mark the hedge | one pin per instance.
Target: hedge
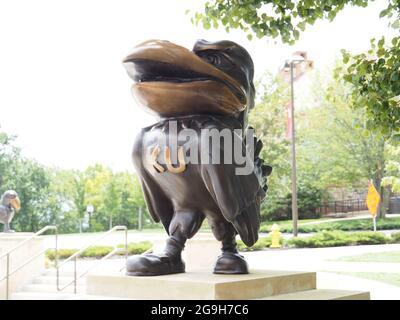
(327, 239)
(262, 243)
(347, 225)
(395, 237)
(339, 238)
(100, 251)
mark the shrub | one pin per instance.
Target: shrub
(136, 248)
(395, 237)
(280, 208)
(97, 251)
(338, 238)
(100, 251)
(62, 253)
(309, 201)
(370, 237)
(349, 225)
(262, 243)
(275, 208)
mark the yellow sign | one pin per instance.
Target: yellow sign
(373, 199)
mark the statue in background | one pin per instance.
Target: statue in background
(184, 177)
(9, 205)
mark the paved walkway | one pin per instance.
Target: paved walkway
(318, 260)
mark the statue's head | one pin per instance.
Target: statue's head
(10, 198)
(215, 77)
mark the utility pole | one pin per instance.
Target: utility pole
(295, 212)
(289, 66)
(140, 219)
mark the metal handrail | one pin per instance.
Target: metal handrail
(8, 253)
(80, 251)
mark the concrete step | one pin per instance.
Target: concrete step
(63, 280)
(57, 296)
(51, 288)
(92, 297)
(23, 295)
(63, 273)
(321, 294)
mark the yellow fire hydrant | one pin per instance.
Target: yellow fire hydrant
(275, 236)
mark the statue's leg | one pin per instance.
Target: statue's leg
(7, 225)
(7, 228)
(182, 227)
(230, 261)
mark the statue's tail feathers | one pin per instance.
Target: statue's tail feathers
(247, 223)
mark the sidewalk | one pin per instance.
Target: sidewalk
(318, 260)
(315, 260)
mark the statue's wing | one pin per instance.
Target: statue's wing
(159, 206)
(238, 197)
(3, 214)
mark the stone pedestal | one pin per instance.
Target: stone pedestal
(17, 258)
(201, 285)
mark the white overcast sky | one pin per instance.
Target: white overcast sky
(65, 94)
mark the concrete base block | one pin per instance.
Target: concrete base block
(201, 285)
(17, 258)
(322, 294)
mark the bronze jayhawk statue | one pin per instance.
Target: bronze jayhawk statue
(9, 205)
(208, 88)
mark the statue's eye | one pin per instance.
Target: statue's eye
(213, 58)
(218, 60)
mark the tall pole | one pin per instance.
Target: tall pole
(295, 214)
(140, 219)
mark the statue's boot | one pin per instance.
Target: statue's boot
(182, 227)
(169, 262)
(230, 261)
(7, 228)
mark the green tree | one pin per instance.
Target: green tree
(269, 121)
(335, 145)
(374, 75)
(271, 18)
(392, 178)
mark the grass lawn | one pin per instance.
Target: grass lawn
(99, 233)
(389, 278)
(287, 224)
(346, 225)
(389, 256)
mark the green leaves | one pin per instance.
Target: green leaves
(285, 19)
(384, 13)
(375, 83)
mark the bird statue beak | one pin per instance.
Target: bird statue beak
(16, 203)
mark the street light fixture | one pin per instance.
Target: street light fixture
(289, 66)
(89, 211)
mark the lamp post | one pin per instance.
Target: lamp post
(289, 65)
(89, 211)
